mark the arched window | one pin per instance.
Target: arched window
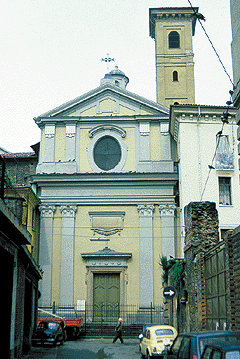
(175, 76)
(174, 40)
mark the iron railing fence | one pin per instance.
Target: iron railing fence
(8, 192)
(131, 314)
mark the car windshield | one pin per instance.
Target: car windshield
(235, 354)
(52, 325)
(164, 332)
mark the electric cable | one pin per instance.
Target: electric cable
(201, 17)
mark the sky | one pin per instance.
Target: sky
(51, 50)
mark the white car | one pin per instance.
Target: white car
(156, 339)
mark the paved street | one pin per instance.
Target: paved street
(88, 349)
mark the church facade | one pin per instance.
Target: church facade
(107, 184)
(107, 179)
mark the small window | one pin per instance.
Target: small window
(207, 353)
(175, 76)
(225, 191)
(184, 350)
(216, 354)
(164, 332)
(174, 40)
(176, 345)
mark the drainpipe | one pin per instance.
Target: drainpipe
(199, 152)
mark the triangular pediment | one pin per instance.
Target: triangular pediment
(107, 100)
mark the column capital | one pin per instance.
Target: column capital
(145, 210)
(167, 209)
(68, 210)
(47, 210)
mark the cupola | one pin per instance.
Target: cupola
(116, 77)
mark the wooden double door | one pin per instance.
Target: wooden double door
(106, 296)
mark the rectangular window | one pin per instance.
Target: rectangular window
(225, 191)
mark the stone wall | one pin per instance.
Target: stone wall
(201, 243)
(236, 277)
(201, 234)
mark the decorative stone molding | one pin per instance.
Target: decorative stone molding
(114, 222)
(106, 258)
(145, 210)
(144, 129)
(167, 209)
(68, 210)
(164, 129)
(70, 131)
(47, 210)
(103, 128)
(98, 133)
(49, 131)
(106, 263)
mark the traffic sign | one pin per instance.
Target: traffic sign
(169, 292)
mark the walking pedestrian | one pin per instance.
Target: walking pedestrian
(118, 331)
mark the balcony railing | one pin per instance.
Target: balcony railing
(8, 192)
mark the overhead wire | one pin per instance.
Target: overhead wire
(200, 17)
(213, 47)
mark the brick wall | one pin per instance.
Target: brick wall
(201, 234)
(201, 243)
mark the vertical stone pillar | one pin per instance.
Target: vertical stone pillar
(146, 254)
(70, 142)
(144, 138)
(67, 254)
(49, 143)
(165, 142)
(45, 252)
(167, 229)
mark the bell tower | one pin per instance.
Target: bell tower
(172, 29)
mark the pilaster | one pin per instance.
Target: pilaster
(144, 141)
(45, 252)
(146, 254)
(67, 254)
(70, 142)
(168, 229)
(49, 143)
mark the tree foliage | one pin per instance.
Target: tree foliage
(173, 271)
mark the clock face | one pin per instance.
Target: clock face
(107, 153)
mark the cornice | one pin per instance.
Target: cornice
(174, 13)
(198, 114)
(106, 253)
(102, 177)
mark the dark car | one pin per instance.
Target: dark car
(191, 345)
(48, 332)
(221, 351)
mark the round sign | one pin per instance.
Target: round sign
(169, 292)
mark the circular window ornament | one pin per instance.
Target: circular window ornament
(107, 153)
